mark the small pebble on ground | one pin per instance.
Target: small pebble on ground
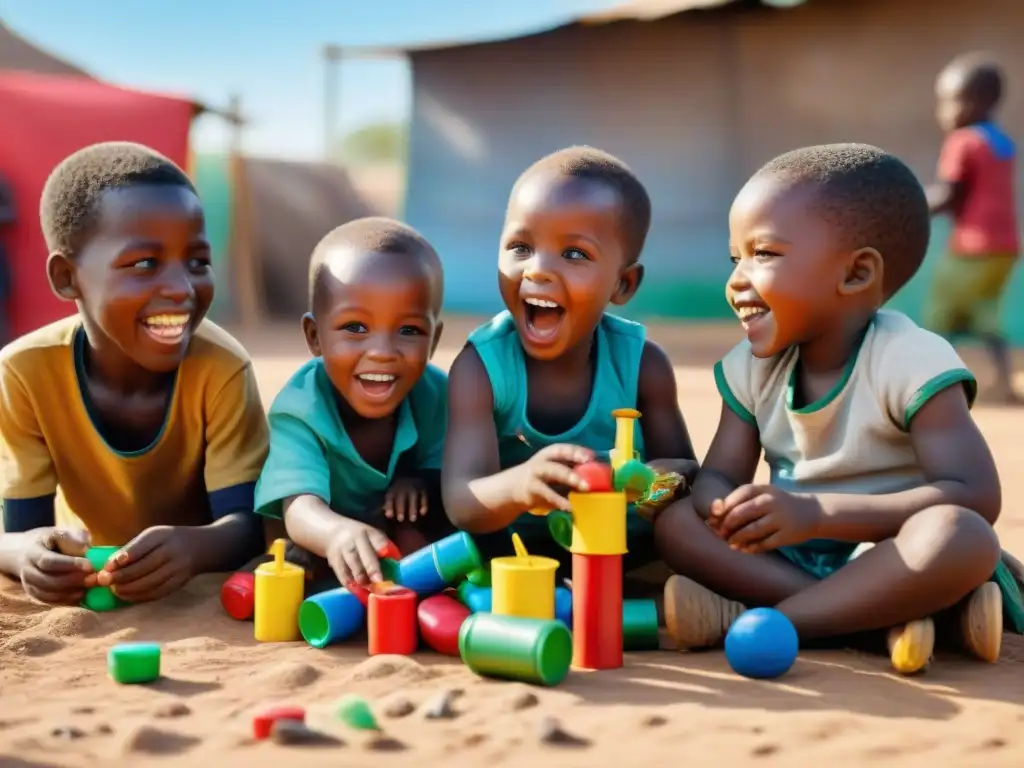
(552, 732)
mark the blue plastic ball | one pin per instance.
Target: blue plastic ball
(762, 644)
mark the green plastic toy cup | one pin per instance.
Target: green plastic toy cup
(535, 651)
(101, 598)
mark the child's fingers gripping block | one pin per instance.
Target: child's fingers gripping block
(134, 662)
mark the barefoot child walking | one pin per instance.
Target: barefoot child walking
(975, 187)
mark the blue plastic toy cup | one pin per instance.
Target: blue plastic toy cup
(330, 617)
(477, 599)
(456, 556)
(419, 573)
(563, 606)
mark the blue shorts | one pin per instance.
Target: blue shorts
(819, 557)
(823, 557)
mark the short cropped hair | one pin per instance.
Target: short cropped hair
(377, 234)
(583, 162)
(871, 197)
(72, 193)
(980, 77)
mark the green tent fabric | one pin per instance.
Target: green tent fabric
(211, 174)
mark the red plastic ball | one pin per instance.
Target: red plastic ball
(597, 476)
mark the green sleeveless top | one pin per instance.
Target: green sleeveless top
(619, 347)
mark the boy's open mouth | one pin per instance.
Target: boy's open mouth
(167, 328)
(543, 319)
(751, 314)
(377, 385)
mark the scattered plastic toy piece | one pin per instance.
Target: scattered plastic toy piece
(440, 618)
(391, 622)
(560, 527)
(238, 595)
(761, 644)
(101, 598)
(354, 712)
(480, 577)
(263, 722)
(279, 588)
(634, 478)
(130, 663)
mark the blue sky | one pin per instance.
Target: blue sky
(268, 51)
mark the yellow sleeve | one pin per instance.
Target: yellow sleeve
(236, 433)
(26, 466)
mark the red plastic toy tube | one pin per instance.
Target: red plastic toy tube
(440, 619)
(391, 622)
(597, 611)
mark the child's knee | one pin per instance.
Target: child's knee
(951, 537)
(673, 528)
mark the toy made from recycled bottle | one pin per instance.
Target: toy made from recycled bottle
(279, 588)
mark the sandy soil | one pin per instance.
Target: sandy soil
(58, 707)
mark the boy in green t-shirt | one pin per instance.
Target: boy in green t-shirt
(356, 435)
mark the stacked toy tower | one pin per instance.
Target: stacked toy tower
(598, 544)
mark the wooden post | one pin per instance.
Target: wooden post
(246, 275)
(332, 56)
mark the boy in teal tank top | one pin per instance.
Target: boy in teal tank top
(357, 434)
(532, 392)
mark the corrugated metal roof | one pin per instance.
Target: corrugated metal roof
(630, 10)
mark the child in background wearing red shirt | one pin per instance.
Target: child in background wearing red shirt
(975, 186)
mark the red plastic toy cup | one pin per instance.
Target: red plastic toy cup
(238, 595)
(391, 622)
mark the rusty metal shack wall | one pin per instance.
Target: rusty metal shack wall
(695, 103)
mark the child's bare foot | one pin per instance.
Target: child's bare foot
(696, 617)
(911, 645)
(981, 622)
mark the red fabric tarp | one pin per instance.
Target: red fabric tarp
(46, 118)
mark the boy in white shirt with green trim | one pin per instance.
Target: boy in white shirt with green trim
(883, 492)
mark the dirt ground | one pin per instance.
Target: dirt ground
(57, 706)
